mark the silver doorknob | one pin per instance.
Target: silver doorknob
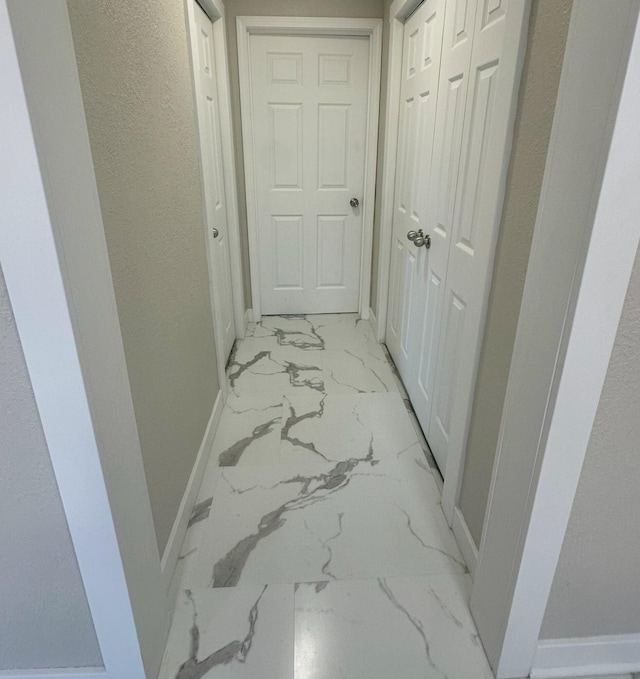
(412, 235)
(216, 233)
(423, 239)
(354, 202)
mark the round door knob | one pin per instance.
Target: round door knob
(422, 239)
(412, 235)
(216, 233)
(354, 202)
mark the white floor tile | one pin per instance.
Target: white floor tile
(324, 480)
(249, 431)
(262, 366)
(340, 426)
(403, 628)
(239, 633)
(349, 371)
(353, 519)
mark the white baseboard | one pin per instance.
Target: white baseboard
(71, 673)
(588, 656)
(374, 322)
(465, 541)
(176, 538)
(248, 318)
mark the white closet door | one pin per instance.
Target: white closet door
(452, 160)
(486, 144)
(410, 264)
(309, 99)
(209, 123)
(459, 23)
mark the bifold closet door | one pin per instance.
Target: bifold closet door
(449, 184)
(419, 92)
(476, 217)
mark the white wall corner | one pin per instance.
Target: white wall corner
(248, 318)
(465, 541)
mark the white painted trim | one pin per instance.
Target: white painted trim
(55, 262)
(248, 318)
(373, 321)
(465, 541)
(69, 673)
(179, 529)
(590, 656)
(563, 346)
(371, 28)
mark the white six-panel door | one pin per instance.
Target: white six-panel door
(486, 142)
(437, 296)
(214, 190)
(410, 269)
(309, 99)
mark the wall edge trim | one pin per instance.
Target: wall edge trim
(178, 531)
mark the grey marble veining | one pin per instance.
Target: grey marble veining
(313, 488)
(240, 633)
(234, 651)
(317, 547)
(200, 511)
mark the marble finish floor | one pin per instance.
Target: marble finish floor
(318, 548)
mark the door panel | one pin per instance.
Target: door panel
(475, 224)
(214, 193)
(309, 117)
(411, 267)
(453, 137)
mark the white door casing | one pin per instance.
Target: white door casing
(309, 101)
(437, 348)
(328, 29)
(214, 185)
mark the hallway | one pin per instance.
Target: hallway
(317, 548)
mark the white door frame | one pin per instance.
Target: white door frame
(371, 28)
(214, 9)
(55, 261)
(563, 346)
(516, 43)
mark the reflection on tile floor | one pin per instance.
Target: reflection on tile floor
(317, 548)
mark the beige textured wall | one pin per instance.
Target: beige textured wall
(595, 590)
(45, 621)
(314, 8)
(136, 85)
(545, 51)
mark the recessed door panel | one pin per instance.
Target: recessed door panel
(289, 243)
(332, 236)
(333, 146)
(286, 145)
(474, 169)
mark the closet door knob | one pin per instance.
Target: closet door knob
(412, 235)
(215, 233)
(354, 202)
